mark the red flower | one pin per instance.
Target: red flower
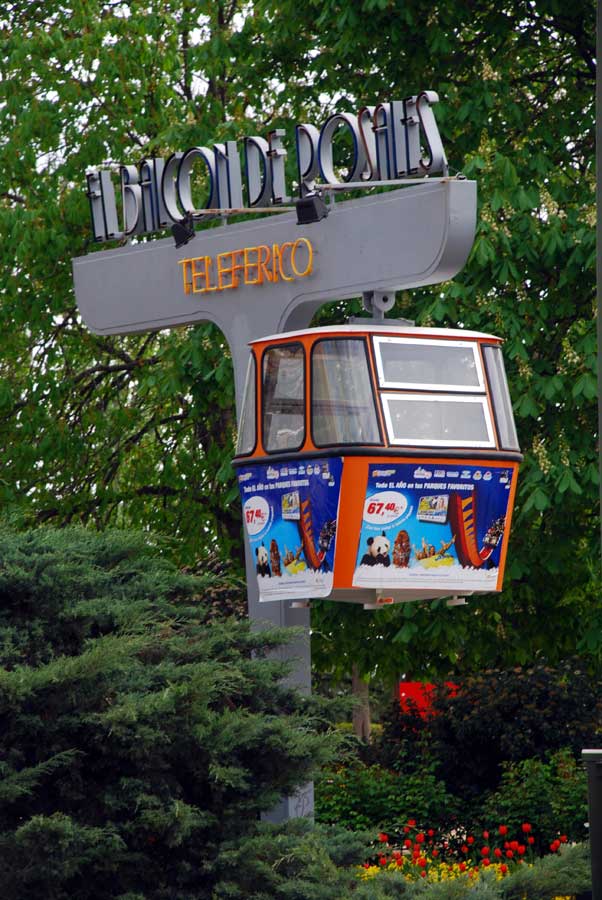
(407, 843)
(470, 840)
(526, 827)
(462, 866)
(412, 823)
(416, 852)
(485, 851)
(555, 845)
(530, 839)
(399, 861)
(405, 829)
(486, 862)
(382, 861)
(423, 874)
(521, 849)
(506, 845)
(420, 838)
(486, 835)
(464, 848)
(396, 854)
(383, 838)
(503, 868)
(509, 854)
(503, 829)
(514, 845)
(366, 865)
(563, 839)
(422, 862)
(435, 852)
(430, 832)
(497, 853)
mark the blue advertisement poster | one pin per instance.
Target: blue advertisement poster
(290, 513)
(433, 526)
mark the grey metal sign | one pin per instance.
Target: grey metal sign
(406, 238)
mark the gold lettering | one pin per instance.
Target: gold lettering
(263, 262)
(201, 275)
(186, 266)
(283, 247)
(310, 258)
(247, 264)
(231, 270)
(252, 265)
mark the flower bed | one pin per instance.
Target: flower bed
(423, 853)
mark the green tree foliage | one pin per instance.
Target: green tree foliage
(139, 429)
(138, 742)
(504, 745)
(516, 86)
(498, 716)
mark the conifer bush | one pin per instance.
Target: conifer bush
(138, 740)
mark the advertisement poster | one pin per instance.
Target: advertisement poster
(290, 513)
(433, 526)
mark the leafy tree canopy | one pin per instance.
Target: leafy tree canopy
(139, 429)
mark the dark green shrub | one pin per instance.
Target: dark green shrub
(137, 741)
(550, 793)
(372, 797)
(498, 717)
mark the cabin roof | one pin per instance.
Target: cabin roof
(386, 330)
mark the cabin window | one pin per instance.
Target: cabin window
(500, 396)
(283, 375)
(438, 420)
(428, 364)
(343, 408)
(247, 431)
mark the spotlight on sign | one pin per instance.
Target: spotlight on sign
(183, 231)
(310, 209)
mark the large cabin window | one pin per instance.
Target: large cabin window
(428, 364)
(436, 394)
(343, 407)
(247, 432)
(444, 420)
(283, 376)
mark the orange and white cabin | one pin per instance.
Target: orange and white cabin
(377, 463)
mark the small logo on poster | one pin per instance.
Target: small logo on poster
(433, 508)
(291, 508)
(422, 474)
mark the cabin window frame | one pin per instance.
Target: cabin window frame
(501, 401)
(270, 349)
(356, 339)
(480, 388)
(412, 397)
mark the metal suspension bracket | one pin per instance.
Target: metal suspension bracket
(378, 302)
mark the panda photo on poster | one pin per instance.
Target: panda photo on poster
(290, 512)
(431, 526)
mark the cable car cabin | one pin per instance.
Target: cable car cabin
(377, 463)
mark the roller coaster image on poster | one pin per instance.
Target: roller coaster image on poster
(437, 525)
